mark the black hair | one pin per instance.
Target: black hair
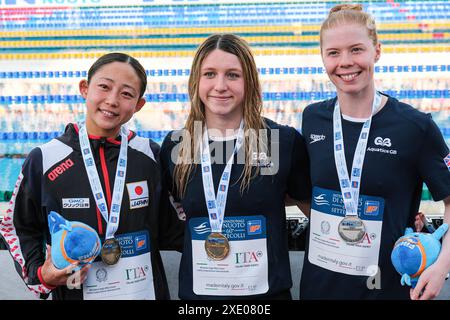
(120, 57)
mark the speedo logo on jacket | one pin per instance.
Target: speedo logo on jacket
(60, 169)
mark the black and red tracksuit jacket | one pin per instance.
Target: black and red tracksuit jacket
(55, 171)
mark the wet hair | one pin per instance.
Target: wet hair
(350, 13)
(120, 57)
(251, 105)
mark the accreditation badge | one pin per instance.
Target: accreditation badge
(130, 278)
(231, 263)
(336, 246)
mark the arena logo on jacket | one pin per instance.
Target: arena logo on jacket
(138, 194)
(60, 169)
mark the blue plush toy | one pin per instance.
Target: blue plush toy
(416, 251)
(72, 242)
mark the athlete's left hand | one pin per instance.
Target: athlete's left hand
(430, 283)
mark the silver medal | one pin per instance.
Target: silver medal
(352, 229)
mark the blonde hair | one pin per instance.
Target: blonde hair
(350, 13)
(189, 150)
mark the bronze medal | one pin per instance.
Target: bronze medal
(111, 251)
(217, 246)
(352, 229)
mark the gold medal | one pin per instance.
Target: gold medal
(217, 246)
(352, 229)
(111, 251)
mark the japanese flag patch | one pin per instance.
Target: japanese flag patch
(447, 161)
(138, 193)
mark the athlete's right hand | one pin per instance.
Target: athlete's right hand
(66, 277)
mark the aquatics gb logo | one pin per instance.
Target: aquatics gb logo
(380, 143)
(386, 142)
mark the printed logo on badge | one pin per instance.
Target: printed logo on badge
(371, 208)
(320, 200)
(138, 194)
(101, 275)
(140, 242)
(254, 227)
(75, 203)
(202, 228)
(325, 227)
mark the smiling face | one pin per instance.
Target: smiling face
(349, 55)
(112, 97)
(221, 86)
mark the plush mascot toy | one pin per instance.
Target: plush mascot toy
(416, 251)
(72, 242)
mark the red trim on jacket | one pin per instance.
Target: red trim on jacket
(110, 140)
(105, 176)
(99, 221)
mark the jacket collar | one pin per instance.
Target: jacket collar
(115, 141)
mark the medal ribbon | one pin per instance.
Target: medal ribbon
(216, 206)
(350, 187)
(94, 180)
